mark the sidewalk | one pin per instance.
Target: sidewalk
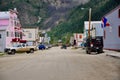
(1, 54)
(112, 53)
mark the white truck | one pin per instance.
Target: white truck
(20, 48)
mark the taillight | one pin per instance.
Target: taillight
(91, 44)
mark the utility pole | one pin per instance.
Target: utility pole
(89, 23)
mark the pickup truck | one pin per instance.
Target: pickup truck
(94, 45)
(20, 48)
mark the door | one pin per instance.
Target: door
(22, 48)
(2, 40)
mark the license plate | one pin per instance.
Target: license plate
(9, 51)
(97, 47)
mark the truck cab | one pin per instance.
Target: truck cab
(20, 48)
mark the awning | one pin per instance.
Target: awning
(15, 39)
(18, 40)
(22, 41)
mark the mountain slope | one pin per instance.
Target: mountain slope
(42, 13)
(75, 21)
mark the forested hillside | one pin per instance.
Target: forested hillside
(63, 17)
(77, 16)
(42, 13)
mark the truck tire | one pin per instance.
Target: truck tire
(98, 52)
(13, 51)
(31, 50)
(7, 52)
(88, 52)
(27, 52)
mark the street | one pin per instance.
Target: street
(59, 64)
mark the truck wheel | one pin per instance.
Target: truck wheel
(88, 52)
(27, 52)
(98, 52)
(31, 50)
(12, 51)
(7, 52)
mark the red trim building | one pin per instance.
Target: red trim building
(78, 37)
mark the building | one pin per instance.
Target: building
(112, 33)
(95, 29)
(31, 35)
(44, 38)
(10, 29)
(78, 37)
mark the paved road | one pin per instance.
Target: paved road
(59, 64)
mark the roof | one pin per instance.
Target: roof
(86, 24)
(4, 15)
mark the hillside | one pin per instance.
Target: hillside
(77, 16)
(42, 13)
(63, 17)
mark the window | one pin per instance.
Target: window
(15, 23)
(104, 34)
(7, 34)
(20, 35)
(119, 13)
(16, 34)
(119, 31)
(0, 36)
(80, 36)
(30, 35)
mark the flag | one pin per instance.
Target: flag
(105, 22)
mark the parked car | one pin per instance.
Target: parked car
(20, 48)
(47, 46)
(63, 46)
(41, 47)
(94, 45)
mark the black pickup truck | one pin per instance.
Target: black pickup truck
(94, 45)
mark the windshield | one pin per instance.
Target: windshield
(16, 45)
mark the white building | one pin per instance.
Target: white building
(95, 28)
(79, 38)
(31, 35)
(112, 33)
